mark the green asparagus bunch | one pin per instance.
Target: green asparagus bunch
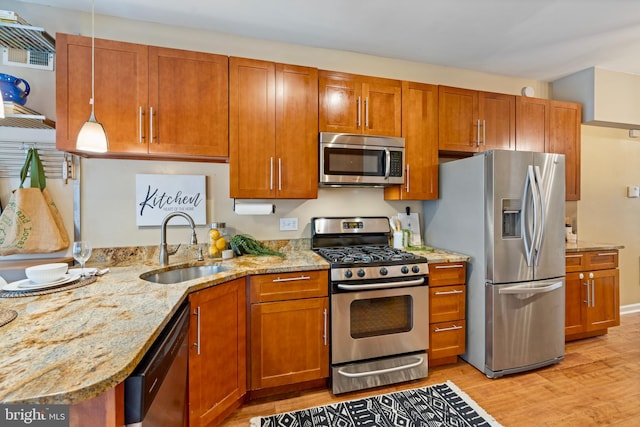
(245, 244)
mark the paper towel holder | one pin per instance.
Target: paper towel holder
(271, 208)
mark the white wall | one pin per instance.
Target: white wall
(611, 162)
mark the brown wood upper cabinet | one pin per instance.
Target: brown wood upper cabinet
(273, 130)
(549, 126)
(532, 124)
(153, 102)
(352, 103)
(473, 121)
(420, 130)
(564, 137)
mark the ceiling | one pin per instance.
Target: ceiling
(535, 39)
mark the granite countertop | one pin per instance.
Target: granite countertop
(582, 246)
(437, 256)
(70, 346)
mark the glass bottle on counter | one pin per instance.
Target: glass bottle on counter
(218, 240)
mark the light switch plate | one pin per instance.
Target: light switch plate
(633, 191)
(288, 224)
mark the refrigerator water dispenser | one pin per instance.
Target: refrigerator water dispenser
(511, 213)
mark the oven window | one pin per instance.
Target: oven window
(381, 316)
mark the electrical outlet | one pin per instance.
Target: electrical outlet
(288, 224)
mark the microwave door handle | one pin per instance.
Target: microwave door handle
(387, 159)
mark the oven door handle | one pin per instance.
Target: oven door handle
(385, 285)
(381, 371)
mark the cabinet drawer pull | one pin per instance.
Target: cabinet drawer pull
(451, 328)
(455, 291)
(449, 266)
(606, 253)
(291, 279)
(358, 118)
(573, 256)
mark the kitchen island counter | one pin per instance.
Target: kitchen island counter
(71, 346)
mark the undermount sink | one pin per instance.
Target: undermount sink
(182, 274)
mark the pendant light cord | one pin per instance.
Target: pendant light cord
(93, 54)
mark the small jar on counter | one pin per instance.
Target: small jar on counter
(218, 240)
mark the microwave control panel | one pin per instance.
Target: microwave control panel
(396, 163)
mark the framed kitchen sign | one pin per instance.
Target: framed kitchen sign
(159, 195)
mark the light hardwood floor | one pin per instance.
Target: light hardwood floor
(597, 384)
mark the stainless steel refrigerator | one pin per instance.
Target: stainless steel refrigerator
(506, 209)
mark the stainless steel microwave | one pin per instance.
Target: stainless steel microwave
(361, 160)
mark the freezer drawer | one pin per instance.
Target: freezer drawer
(524, 325)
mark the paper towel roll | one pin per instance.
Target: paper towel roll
(254, 208)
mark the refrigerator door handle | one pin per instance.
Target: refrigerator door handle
(541, 228)
(528, 236)
(527, 289)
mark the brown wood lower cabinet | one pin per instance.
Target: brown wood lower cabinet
(289, 330)
(217, 352)
(592, 303)
(447, 302)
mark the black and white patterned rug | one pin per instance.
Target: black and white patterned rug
(437, 405)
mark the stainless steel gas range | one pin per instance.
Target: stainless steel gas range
(379, 304)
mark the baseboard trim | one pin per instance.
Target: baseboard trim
(631, 308)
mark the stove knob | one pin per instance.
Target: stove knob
(404, 269)
(383, 271)
(415, 269)
(361, 273)
(348, 274)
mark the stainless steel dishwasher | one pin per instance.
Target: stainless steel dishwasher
(155, 393)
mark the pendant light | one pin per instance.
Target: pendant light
(92, 136)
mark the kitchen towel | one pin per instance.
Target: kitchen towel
(254, 208)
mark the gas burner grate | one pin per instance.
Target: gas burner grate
(364, 254)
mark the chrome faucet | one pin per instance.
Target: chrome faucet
(164, 251)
